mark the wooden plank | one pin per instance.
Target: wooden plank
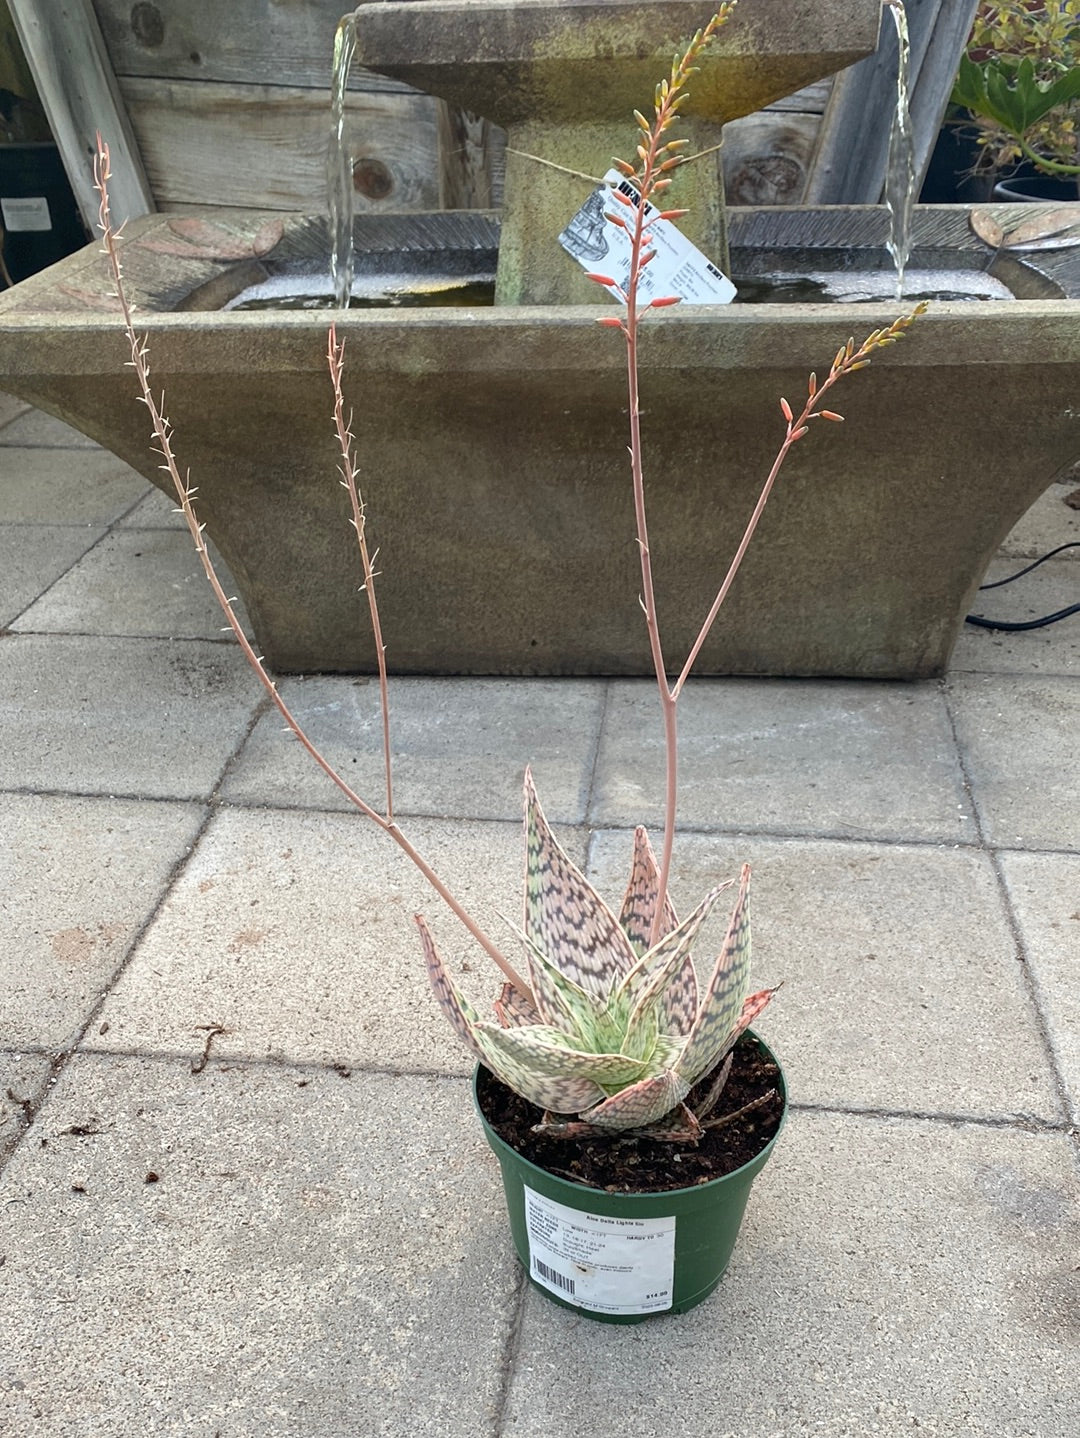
(849, 167)
(64, 48)
(810, 100)
(471, 160)
(264, 147)
(233, 43)
(767, 157)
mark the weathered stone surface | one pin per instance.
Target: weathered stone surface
(23, 1078)
(85, 487)
(492, 448)
(289, 929)
(891, 1277)
(1017, 736)
(1044, 890)
(80, 877)
(460, 746)
(853, 760)
(35, 555)
(512, 62)
(139, 716)
(275, 1251)
(138, 582)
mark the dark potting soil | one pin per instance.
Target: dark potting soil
(619, 1163)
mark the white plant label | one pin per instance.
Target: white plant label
(26, 214)
(607, 1265)
(678, 269)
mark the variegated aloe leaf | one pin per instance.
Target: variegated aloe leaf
(546, 1051)
(560, 1002)
(560, 1090)
(639, 901)
(463, 1017)
(564, 915)
(513, 1009)
(656, 970)
(723, 998)
(643, 1102)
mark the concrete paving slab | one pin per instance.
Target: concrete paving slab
(460, 746)
(1044, 890)
(891, 1277)
(1054, 649)
(34, 556)
(41, 430)
(48, 486)
(80, 877)
(854, 760)
(1048, 523)
(10, 408)
(259, 1251)
(902, 988)
(294, 932)
(138, 581)
(120, 716)
(23, 1078)
(1017, 736)
(156, 511)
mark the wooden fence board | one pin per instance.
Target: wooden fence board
(64, 48)
(265, 147)
(259, 42)
(849, 167)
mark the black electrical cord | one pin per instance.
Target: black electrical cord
(1030, 623)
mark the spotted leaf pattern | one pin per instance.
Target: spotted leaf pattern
(564, 915)
(614, 1034)
(722, 1001)
(512, 1008)
(639, 901)
(644, 1102)
(463, 1017)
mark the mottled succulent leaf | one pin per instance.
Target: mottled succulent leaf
(723, 998)
(561, 1002)
(666, 965)
(546, 1052)
(716, 1087)
(463, 1017)
(513, 1009)
(641, 1103)
(752, 1006)
(678, 1126)
(564, 915)
(639, 901)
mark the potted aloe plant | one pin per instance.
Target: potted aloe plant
(627, 1101)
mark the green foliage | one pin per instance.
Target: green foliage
(1020, 79)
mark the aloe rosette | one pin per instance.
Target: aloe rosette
(615, 1030)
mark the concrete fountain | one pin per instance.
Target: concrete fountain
(492, 440)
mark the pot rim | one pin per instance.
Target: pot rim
(744, 1172)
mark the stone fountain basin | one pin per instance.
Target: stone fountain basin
(492, 450)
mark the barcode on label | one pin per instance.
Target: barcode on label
(552, 1275)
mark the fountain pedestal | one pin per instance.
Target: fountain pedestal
(563, 77)
(491, 443)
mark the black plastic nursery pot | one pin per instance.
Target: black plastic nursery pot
(624, 1257)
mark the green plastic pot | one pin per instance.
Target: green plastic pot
(624, 1257)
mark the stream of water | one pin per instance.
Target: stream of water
(339, 180)
(900, 172)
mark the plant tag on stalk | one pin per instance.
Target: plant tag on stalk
(678, 269)
(607, 1265)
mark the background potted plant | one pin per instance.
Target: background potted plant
(610, 1050)
(1019, 79)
